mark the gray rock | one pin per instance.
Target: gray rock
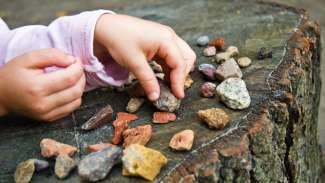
(203, 40)
(40, 164)
(63, 166)
(209, 51)
(166, 101)
(134, 104)
(223, 56)
(228, 69)
(96, 166)
(234, 94)
(208, 71)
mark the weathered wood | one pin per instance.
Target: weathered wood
(275, 140)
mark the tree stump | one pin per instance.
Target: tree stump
(275, 140)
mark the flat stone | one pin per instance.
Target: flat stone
(24, 171)
(208, 71)
(244, 62)
(188, 82)
(208, 89)
(218, 43)
(228, 69)
(138, 135)
(222, 57)
(234, 94)
(214, 117)
(233, 51)
(51, 148)
(209, 51)
(98, 147)
(202, 40)
(40, 164)
(102, 117)
(163, 117)
(95, 166)
(142, 161)
(63, 166)
(182, 140)
(134, 104)
(121, 124)
(166, 101)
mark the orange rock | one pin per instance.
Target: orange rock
(127, 117)
(121, 124)
(163, 117)
(214, 117)
(98, 147)
(51, 148)
(219, 43)
(138, 135)
(182, 140)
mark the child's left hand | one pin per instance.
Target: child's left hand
(132, 42)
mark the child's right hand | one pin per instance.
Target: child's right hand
(26, 89)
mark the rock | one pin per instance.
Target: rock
(218, 43)
(163, 117)
(102, 117)
(138, 135)
(141, 161)
(188, 82)
(166, 101)
(51, 148)
(203, 41)
(98, 147)
(134, 104)
(63, 166)
(214, 117)
(208, 89)
(263, 54)
(40, 164)
(234, 94)
(95, 166)
(208, 71)
(233, 51)
(221, 57)
(209, 51)
(228, 69)
(136, 90)
(131, 79)
(244, 62)
(182, 141)
(24, 171)
(160, 76)
(121, 124)
(155, 66)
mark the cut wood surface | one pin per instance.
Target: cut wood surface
(275, 140)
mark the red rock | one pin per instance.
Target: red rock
(208, 89)
(182, 140)
(163, 117)
(138, 135)
(98, 147)
(121, 124)
(127, 117)
(219, 43)
(51, 148)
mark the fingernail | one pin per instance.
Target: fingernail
(153, 96)
(71, 59)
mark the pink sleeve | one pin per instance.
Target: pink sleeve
(71, 34)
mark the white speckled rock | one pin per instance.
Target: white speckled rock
(244, 62)
(203, 40)
(228, 69)
(232, 50)
(209, 51)
(223, 56)
(234, 94)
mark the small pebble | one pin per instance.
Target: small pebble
(166, 101)
(244, 62)
(51, 148)
(155, 66)
(208, 71)
(163, 117)
(228, 69)
(63, 166)
(98, 147)
(214, 117)
(24, 171)
(138, 135)
(134, 104)
(208, 89)
(234, 94)
(182, 141)
(221, 57)
(209, 51)
(233, 51)
(202, 41)
(263, 54)
(95, 166)
(218, 43)
(188, 82)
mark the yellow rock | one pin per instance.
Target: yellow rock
(142, 161)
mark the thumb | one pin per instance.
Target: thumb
(143, 72)
(48, 57)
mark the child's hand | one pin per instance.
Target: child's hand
(26, 89)
(132, 42)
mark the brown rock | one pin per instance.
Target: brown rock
(214, 117)
(188, 82)
(218, 43)
(166, 101)
(208, 89)
(98, 147)
(134, 104)
(138, 135)
(51, 148)
(182, 140)
(105, 115)
(163, 117)
(24, 171)
(121, 124)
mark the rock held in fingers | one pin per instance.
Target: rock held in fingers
(166, 101)
(134, 104)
